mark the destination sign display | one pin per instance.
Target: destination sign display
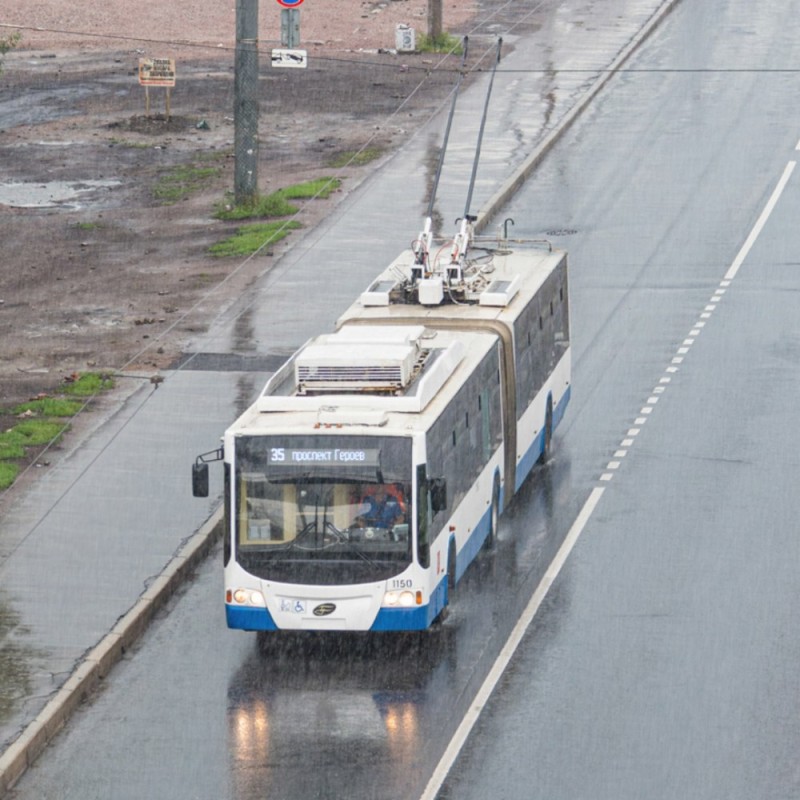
(305, 457)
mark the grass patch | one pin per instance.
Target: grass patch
(88, 384)
(10, 446)
(182, 181)
(47, 425)
(272, 205)
(321, 188)
(355, 158)
(36, 432)
(277, 204)
(250, 238)
(8, 474)
(50, 407)
(443, 43)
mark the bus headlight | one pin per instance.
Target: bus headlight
(247, 597)
(403, 599)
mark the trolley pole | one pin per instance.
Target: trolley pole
(434, 19)
(245, 112)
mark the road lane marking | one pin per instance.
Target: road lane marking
(509, 648)
(760, 222)
(711, 305)
(523, 623)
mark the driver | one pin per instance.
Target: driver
(380, 510)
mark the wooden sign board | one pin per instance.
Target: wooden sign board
(157, 72)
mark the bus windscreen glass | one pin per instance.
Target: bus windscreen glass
(323, 509)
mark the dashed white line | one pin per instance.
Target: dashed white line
(711, 305)
(498, 668)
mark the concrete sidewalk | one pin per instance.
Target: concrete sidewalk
(97, 545)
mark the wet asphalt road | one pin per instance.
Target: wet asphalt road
(663, 662)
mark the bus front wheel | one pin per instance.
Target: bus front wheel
(451, 569)
(547, 445)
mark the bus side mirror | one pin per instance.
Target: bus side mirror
(200, 471)
(438, 495)
(200, 479)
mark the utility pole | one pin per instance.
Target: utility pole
(434, 19)
(245, 103)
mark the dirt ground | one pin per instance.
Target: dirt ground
(99, 273)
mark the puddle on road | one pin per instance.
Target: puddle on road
(53, 194)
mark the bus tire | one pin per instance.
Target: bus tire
(451, 569)
(547, 445)
(494, 516)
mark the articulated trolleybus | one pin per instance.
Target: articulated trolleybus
(375, 463)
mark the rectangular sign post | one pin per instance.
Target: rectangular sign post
(290, 58)
(156, 72)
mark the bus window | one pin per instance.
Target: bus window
(423, 517)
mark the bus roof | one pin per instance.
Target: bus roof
(392, 366)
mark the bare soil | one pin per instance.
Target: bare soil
(100, 274)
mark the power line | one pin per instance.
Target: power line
(265, 44)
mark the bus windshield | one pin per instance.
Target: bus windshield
(323, 509)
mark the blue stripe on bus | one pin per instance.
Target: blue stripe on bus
(417, 618)
(558, 411)
(473, 545)
(389, 619)
(528, 461)
(249, 619)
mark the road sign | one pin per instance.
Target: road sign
(157, 71)
(290, 3)
(290, 58)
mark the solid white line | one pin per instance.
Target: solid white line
(760, 222)
(499, 666)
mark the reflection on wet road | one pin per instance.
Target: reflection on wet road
(309, 714)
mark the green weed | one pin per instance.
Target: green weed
(277, 204)
(50, 407)
(443, 43)
(36, 432)
(10, 446)
(250, 238)
(355, 158)
(88, 384)
(182, 181)
(8, 474)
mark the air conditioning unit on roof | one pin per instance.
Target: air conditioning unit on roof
(359, 358)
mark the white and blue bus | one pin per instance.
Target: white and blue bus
(375, 464)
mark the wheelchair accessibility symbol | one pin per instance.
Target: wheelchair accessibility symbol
(293, 606)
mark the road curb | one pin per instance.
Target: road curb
(98, 662)
(512, 185)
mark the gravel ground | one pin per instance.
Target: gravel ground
(329, 24)
(113, 279)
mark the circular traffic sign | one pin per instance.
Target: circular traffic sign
(290, 3)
